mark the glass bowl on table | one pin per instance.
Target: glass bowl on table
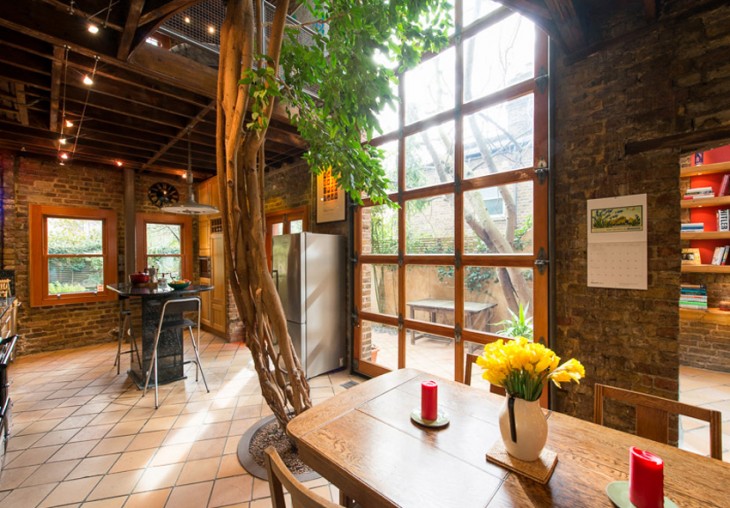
(179, 284)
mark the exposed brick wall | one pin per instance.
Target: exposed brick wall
(36, 180)
(668, 80)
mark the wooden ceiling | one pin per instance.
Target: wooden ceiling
(146, 98)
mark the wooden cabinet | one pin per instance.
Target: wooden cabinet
(214, 310)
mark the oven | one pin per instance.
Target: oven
(7, 349)
(205, 268)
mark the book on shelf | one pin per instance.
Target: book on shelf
(724, 184)
(723, 220)
(699, 190)
(692, 226)
(725, 254)
(698, 196)
(717, 255)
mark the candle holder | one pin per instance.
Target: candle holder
(618, 493)
(442, 420)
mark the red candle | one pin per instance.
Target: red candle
(646, 479)
(429, 400)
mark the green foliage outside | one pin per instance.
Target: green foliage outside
(342, 65)
(518, 325)
(82, 241)
(57, 287)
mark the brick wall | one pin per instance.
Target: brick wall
(36, 180)
(670, 79)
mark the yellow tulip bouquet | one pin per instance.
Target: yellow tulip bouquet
(521, 367)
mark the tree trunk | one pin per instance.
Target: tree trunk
(240, 176)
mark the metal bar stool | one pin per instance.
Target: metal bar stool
(173, 310)
(125, 328)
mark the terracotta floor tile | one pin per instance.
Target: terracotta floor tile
(72, 491)
(151, 499)
(230, 466)
(158, 477)
(158, 424)
(74, 450)
(203, 449)
(51, 472)
(190, 496)
(171, 454)
(114, 502)
(129, 461)
(35, 427)
(111, 445)
(226, 491)
(11, 478)
(147, 440)
(93, 466)
(56, 437)
(24, 442)
(116, 484)
(28, 497)
(33, 456)
(94, 432)
(199, 470)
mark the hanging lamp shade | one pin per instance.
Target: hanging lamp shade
(190, 206)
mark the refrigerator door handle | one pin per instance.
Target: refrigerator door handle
(275, 275)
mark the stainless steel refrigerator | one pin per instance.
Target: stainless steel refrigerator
(309, 272)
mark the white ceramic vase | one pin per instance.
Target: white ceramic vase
(525, 434)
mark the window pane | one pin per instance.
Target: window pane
(430, 225)
(430, 353)
(499, 219)
(163, 238)
(493, 296)
(430, 157)
(165, 264)
(74, 236)
(499, 138)
(430, 87)
(380, 289)
(295, 226)
(500, 56)
(476, 9)
(430, 293)
(277, 229)
(379, 230)
(379, 344)
(390, 164)
(75, 274)
(388, 117)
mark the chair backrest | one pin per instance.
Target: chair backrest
(652, 414)
(178, 305)
(470, 360)
(279, 476)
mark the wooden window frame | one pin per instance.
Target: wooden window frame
(458, 188)
(186, 242)
(39, 295)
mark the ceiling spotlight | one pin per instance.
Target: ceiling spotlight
(211, 29)
(63, 155)
(187, 19)
(62, 140)
(93, 29)
(87, 80)
(119, 163)
(69, 123)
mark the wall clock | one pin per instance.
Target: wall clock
(162, 194)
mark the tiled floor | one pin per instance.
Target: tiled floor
(83, 436)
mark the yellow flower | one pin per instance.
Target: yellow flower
(522, 367)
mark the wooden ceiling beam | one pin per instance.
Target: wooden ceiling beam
(566, 20)
(21, 104)
(130, 28)
(180, 134)
(54, 121)
(85, 15)
(165, 10)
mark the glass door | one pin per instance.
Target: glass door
(456, 265)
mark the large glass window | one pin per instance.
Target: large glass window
(73, 254)
(452, 266)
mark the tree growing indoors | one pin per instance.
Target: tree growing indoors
(333, 88)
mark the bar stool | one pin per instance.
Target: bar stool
(125, 328)
(171, 318)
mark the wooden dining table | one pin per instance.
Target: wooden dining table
(364, 442)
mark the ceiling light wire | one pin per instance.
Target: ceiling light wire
(86, 103)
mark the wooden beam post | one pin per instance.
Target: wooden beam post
(56, 75)
(130, 28)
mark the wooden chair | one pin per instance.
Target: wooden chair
(470, 360)
(652, 414)
(280, 476)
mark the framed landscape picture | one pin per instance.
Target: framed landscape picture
(691, 257)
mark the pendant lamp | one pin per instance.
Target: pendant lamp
(190, 207)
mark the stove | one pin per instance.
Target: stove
(7, 350)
